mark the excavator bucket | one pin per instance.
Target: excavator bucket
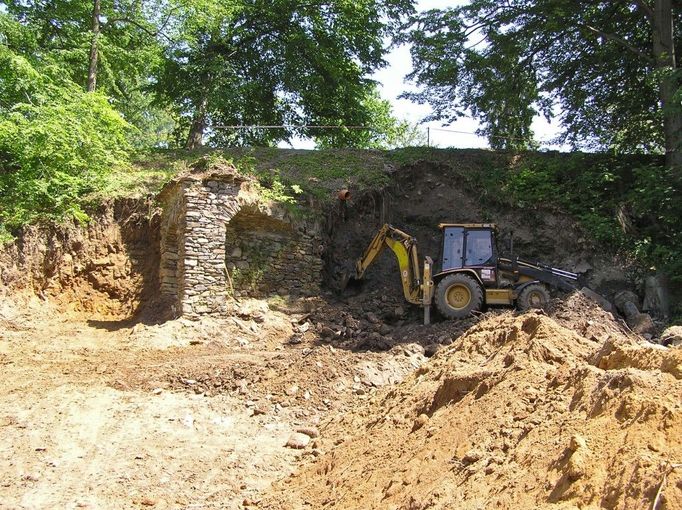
(347, 278)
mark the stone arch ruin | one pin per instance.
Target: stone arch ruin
(219, 240)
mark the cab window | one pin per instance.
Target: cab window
(452, 248)
(479, 247)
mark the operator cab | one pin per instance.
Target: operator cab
(471, 246)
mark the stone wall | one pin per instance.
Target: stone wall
(269, 256)
(210, 205)
(172, 227)
(219, 241)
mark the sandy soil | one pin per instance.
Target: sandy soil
(522, 411)
(560, 410)
(107, 414)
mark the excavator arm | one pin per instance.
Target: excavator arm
(404, 247)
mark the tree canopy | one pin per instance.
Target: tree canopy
(608, 69)
(84, 82)
(281, 62)
(197, 65)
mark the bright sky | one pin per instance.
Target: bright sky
(392, 83)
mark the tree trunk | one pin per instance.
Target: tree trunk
(666, 64)
(195, 139)
(92, 70)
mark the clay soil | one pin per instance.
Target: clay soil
(559, 410)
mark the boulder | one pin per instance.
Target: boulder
(298, 441)
(672, 336)
(642, 324)
(622, 298)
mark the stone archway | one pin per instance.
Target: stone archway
(212, 225)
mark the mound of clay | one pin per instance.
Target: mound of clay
(520, 412)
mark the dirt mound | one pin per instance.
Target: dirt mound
(520, 412)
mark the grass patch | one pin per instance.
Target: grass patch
(317, 173)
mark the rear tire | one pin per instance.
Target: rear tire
(534, 295)
(457, 295)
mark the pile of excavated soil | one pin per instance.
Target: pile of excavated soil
(520, 412)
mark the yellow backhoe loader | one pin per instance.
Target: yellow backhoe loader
(469, 272)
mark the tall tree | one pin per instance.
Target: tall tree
(609, 68)
(57, 141)
(92, 68)
(109, 46)
(275, 62)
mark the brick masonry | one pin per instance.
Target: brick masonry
(219, 241)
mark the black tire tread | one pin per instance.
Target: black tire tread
(523, 302)
(476, 296)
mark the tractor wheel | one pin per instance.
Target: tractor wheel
(458, 295)
(533, 296)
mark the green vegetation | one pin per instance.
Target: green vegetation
(57, 142)
(317, 173)
(628, 204)
(87, 85)
(609, 71)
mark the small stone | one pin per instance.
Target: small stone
(311, 432)
(577, 442)
(421, 420)
(431, 349)
(471, 456)
(371, 317)
(298, 441)
(385, 329)
(259, 410)
(672, 336)
(147, 501)
(351, 322)
(326, 332)
(291, 391)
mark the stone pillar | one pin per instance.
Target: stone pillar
(172, 232)
(210, 204)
